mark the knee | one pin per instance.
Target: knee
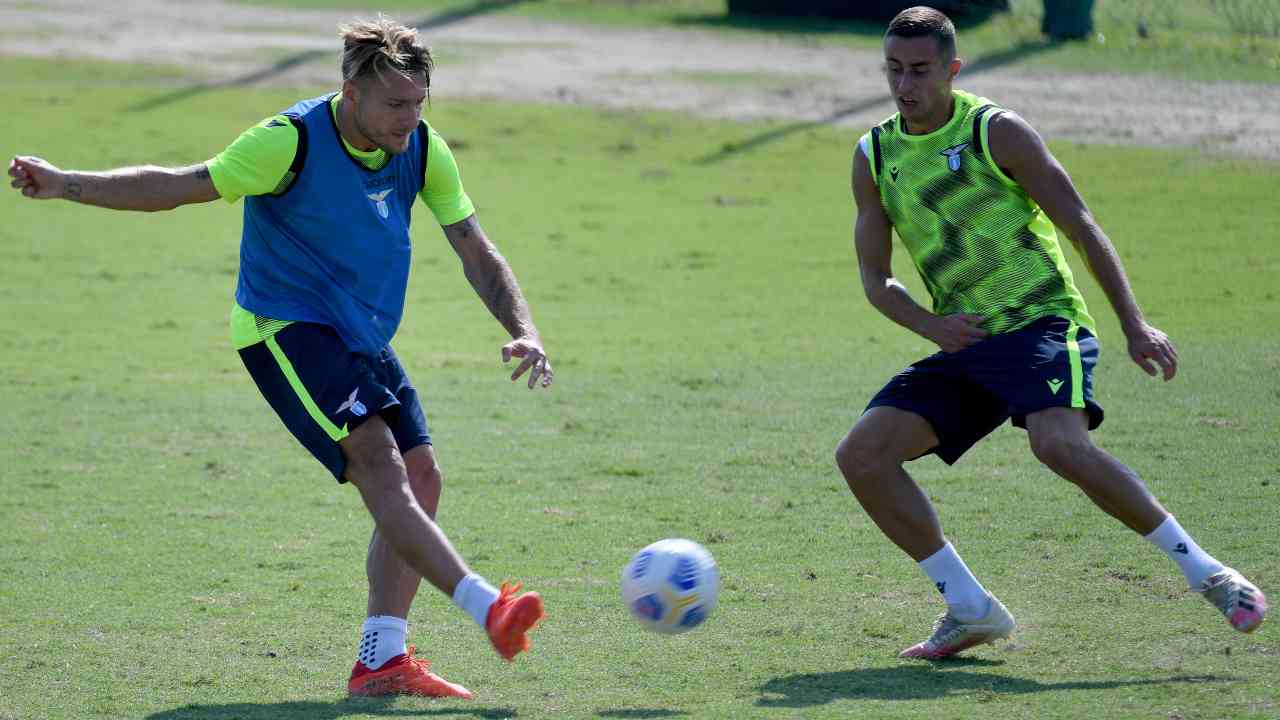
(427, 483)
(1060, 452)
(860, 459)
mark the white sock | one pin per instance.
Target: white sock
(966, 598)
(382, 639)
(1195, 563)
(475, 596)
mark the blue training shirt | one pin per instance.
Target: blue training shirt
(333, 246)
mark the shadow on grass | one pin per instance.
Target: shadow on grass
(641, 713)
(928, 682)
(448, 17)
(990, 61)
(314, 710)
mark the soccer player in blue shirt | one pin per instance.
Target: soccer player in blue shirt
(324, 262)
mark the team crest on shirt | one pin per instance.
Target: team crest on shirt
(953, 155)
(380, 199)
(356, 407)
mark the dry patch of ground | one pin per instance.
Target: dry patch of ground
(702, 72)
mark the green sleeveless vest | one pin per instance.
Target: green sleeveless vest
(980, 243)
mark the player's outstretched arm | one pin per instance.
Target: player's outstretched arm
(145, 187)
(1018, 149)
(491, 276)
(873, 241)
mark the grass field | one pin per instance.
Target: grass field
(1194, 39)
(168, 552)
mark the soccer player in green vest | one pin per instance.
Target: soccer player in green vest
(974, 195)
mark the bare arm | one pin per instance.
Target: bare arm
(145, 187)
(491, 276)
(874, 243)
(1019, 150)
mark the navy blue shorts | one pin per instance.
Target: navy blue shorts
(322, 391)
(965, 395)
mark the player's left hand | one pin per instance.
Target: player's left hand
(1150, 347)
(535, 360)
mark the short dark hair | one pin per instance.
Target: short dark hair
(922, 21)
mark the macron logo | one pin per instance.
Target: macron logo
(1181, 548)
(380, 199)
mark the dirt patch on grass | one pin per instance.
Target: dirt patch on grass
(703, 72)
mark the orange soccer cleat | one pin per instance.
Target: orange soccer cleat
(512, 616)
(403, 675)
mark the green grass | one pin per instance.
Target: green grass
(68, 77)
(168, 552)
(1187, 39)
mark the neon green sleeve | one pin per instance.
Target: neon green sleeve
(257, 161)
(443, 191)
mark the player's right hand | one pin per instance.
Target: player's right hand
(954, 333)
(36, 178)
(534, 358)
(1150, 348)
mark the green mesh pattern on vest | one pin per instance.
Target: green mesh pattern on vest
(980, 243)
(268, 327)
(249, 329)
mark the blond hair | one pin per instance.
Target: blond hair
(370, 47)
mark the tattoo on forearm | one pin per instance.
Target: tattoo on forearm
(202, 172)
(492, 279)
(498, 288)
(498, 299)
(73, 190)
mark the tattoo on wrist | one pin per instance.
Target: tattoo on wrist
(73, 190)
(202, 172)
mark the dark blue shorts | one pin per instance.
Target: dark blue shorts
(322, 391)
(965, 395)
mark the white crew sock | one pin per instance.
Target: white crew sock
(382, 639)
(475, 596)
(966, 598)
(1195, 563)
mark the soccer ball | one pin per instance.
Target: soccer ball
(671, 586)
